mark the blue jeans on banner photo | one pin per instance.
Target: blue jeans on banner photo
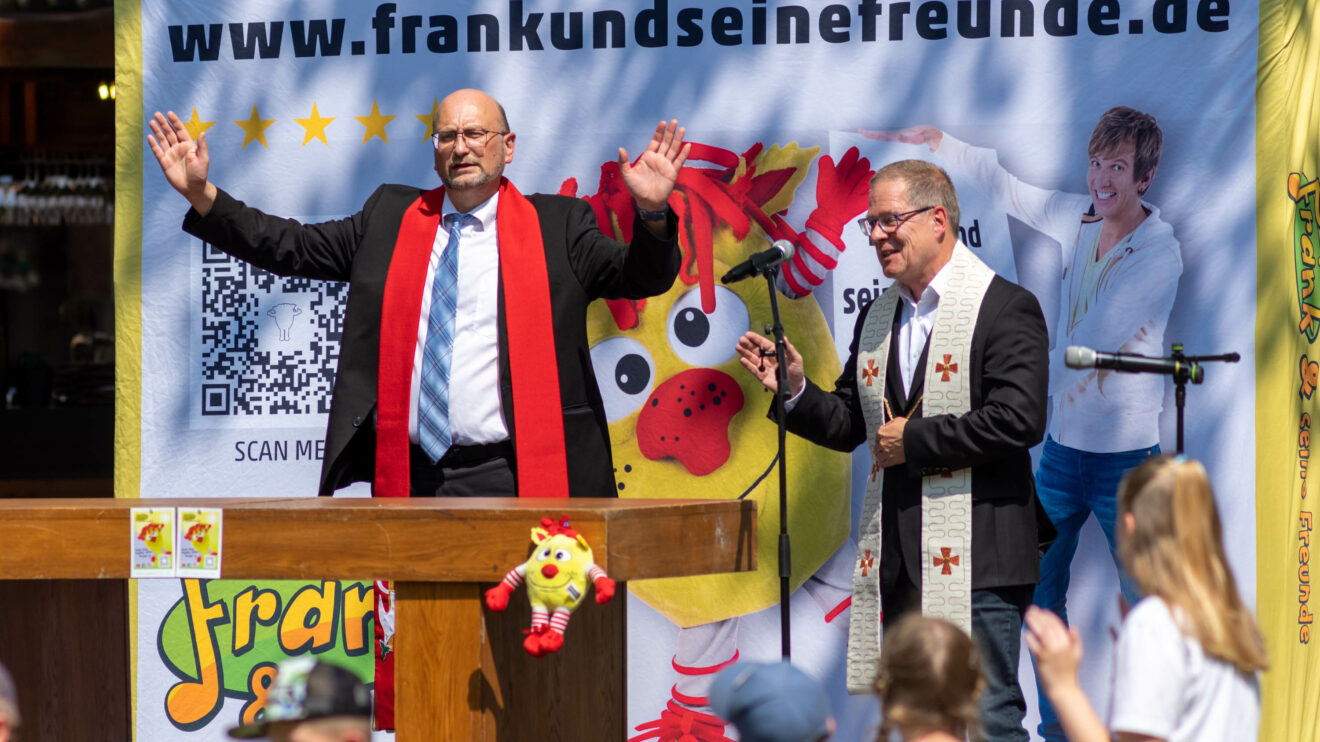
(1071, 485)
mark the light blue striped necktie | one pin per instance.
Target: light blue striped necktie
(433, 429)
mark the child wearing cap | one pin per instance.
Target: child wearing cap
(312, 701)
(772, 702)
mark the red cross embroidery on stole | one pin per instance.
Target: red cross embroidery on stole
(867, 562)
(871, 371)
(875, 458)
(946, 368)
(944, 560)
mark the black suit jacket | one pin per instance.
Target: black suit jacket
(1009, 383)
(582, 265)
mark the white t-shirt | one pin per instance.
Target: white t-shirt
(1166, 687)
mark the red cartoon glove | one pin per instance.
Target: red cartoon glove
(604, 590)
(497, 598)
(842, 191)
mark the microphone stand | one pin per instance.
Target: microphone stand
(1189, 369)
(781, 396)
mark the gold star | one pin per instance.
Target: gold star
(315, 126)
(375, 124)
(254, 128)
(429, 118)
(196, 126)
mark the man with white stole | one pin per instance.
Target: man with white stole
(946, 381)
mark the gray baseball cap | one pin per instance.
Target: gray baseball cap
(307, 688)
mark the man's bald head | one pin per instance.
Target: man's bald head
(473, 144)
(471, 97)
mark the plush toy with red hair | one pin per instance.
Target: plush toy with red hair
(556, 576)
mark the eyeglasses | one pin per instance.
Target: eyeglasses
(474, 138)
(888, 223)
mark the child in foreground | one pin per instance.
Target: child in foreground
(1189, 654)
(930, 680)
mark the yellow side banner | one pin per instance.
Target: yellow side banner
(128, 275)
(1288, 362)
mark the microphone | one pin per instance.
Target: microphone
(1077, 356)
(760, 263)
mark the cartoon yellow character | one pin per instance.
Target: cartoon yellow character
(685, 421)
(202, 539)
(556, 575)
(157, 539)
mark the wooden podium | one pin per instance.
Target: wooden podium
(461, 673)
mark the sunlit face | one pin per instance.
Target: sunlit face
(912, 254)
(461, 165)
(1111, 178)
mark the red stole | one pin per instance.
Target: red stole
(533, 367)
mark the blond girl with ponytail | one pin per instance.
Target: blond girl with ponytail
(1189, 653)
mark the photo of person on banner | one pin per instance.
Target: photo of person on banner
(946, 381)
(1121, 264)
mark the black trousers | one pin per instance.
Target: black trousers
(488, 470)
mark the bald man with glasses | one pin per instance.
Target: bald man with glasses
(464, 368)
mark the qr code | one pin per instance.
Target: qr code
(265, 347)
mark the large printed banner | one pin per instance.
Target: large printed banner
(225, 369)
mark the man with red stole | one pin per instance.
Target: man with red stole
(464, 368)
(516, 379)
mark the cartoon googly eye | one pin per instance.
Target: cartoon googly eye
(562, 555)
(543, 554)
(702, 339)
(625, 374)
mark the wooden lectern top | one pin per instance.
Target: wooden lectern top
(406, 539)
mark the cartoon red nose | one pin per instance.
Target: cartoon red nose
(687, 418)
(549, 571)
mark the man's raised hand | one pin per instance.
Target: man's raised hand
(757, 355)
(651, 179)
(184, 162)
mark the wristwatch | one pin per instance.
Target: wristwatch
(653, 216)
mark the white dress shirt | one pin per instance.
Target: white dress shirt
(475, 414)
(916, 318)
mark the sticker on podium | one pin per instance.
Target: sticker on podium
(151, 542)
(199, 542)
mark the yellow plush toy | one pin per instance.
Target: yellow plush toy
(556, 576)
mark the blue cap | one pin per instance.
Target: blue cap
(771, 702)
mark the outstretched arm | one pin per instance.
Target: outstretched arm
(184, 162)
(1058, 652)
(927, 135)
(842, 189)
(651, 179)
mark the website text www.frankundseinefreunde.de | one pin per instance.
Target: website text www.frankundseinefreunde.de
(661, 23)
